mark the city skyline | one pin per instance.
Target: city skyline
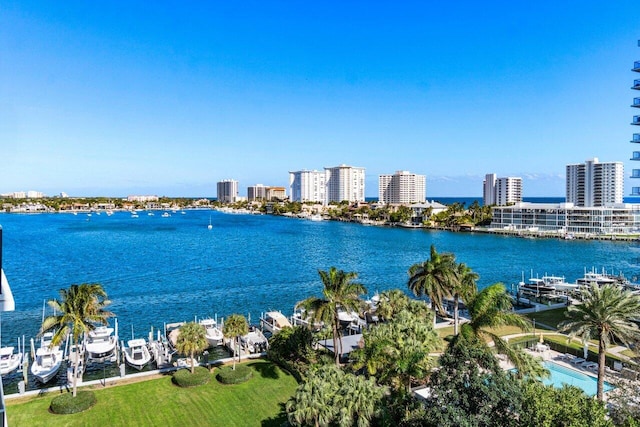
(169, 99)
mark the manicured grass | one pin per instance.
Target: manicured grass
(256, 402)
(549, 317)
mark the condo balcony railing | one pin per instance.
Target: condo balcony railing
(636, 66)
(636, 84)
(635, 191)
(636, 138)
(635, 173)
(636, 120)
(636, 102)
(636, 155)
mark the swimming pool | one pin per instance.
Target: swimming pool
(562, 375)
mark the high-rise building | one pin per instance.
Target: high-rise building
(403, 187)
(227, 191)
(344, 183)
(307, 186)
(257, 192)
(501, 191)
(595, 184)
(489, 189)
(635, 139)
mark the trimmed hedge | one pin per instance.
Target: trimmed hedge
(226, 374)
(67, 404)
(184, 377)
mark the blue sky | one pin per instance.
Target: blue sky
(118, 98)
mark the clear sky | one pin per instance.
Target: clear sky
(116, 98)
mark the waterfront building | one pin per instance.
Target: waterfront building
(227, 191)
(344, 183)
(142, 199)
(567, 218)
(421, 212)
(489, 189)
(307, 186)
(256, 192)
(595, 184)
(501, 191)
(31, 194)
(635, 139)
(403, 187)
(276, 193)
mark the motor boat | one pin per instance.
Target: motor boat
(254, 342)
(213, 333)
(48, 359)
(9, 361)
(274, 321)
(100, 343)
(137, 354)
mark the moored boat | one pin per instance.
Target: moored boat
(100, 343)
(9, 361)
(274, 321)
(213, 333)
(137, 354)
(48, 359)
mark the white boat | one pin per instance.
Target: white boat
(166, 215)
(100, 343)
(76, 356)
(213, 333)
(210, 226)
(137, 354)
(559, 283)
(9, 361)
(537, 286)
(316, 217)
(48, 359)
(135, 215)
(593, 277)
(274, 321)
(254, 342)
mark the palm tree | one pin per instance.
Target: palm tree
(340, 292)
(464, 287)
(489, 309)
(391, 303)
(235, 326)
(192, 339)
(80, 308)
(433, 277)
(606, 314)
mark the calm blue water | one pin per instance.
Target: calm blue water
(159, 270)
(561, 375)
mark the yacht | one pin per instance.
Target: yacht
(593, 277)
(274, 322)
(254, 342)
(9, 361)
(213, 333)
(100, 343)
(537, 286)
(48, 359)
(137, 354)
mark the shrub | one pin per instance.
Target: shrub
(67, 404)
(226, 374)
(184, 377)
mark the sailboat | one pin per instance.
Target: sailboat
(209, 226)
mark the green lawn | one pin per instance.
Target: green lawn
(257, 402)
(549, 317)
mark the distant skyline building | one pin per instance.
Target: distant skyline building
(256, 192)
(635, 139)
(403, 187)
(501, 191)
(142, 199)
(344, 183)
(227, 191)
(595, 184)
(307, 186)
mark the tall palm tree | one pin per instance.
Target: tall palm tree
(463, 287)
(391, 303)
(80, 308)
(339, 292)
(235, 326)
(433, 277)
(192, 339)
(492, 308)
(606, 314)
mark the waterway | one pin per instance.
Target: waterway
(166, 269)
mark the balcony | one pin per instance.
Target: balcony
(635, 173)
(636, 155)
(636, 66)
(635, 191)
(636, 120)
(636, 138)
(636, 103)
(636, 84)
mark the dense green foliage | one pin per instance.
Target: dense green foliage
(291, 348)
(187, 378)
(546, 406)
(66, 403)
(329, 396)
(237, 375)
